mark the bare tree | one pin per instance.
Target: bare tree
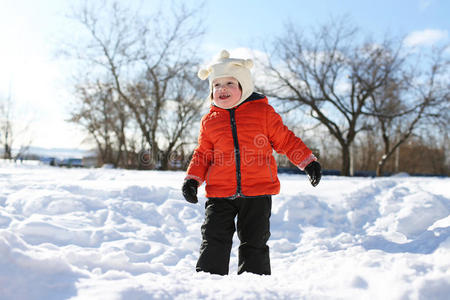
(10, 132)
(98, 110)
(367, 146)
(147, 59)
(6, 133)
(180, 114)
(332, 74)
(415, 99)
(422, 155)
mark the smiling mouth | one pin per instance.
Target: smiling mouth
(224, 97)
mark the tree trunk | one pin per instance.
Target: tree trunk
(345, 169)
(380, 165)
(165, 161)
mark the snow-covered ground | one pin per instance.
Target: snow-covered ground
(118, 234)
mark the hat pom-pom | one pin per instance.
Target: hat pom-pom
(203, 74)
(248, 63)
(224, 54)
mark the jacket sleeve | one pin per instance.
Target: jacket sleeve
(202, 157)
(285, 142)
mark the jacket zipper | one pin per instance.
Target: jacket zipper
(237, 155)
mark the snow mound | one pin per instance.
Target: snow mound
(117, 234)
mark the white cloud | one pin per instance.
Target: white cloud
(425, 37)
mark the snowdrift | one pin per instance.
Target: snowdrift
(117, 234)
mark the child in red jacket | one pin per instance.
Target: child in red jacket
(234, 158)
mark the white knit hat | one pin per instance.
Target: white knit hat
(230, 67)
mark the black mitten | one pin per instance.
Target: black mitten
(313, 170)
(190, 190)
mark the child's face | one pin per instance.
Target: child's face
(226, 92)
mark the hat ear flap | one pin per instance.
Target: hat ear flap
(203, 73)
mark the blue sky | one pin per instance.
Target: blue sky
(29, 28)
(242, 23)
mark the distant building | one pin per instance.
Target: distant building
(71, 163)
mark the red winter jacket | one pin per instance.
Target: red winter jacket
(234, 153)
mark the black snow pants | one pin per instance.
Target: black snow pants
(253, 229)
